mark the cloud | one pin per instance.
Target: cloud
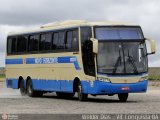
(23, 14)
(5, 29)
(16, 12)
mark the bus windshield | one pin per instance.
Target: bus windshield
(122, 57)
(118, 33)
(121, 51)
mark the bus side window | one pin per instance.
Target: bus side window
(48, 41)
(72, 40)
(54, 41)
(11, 45)
(42, 43)
(75, 44)
(69, 40)
(33, 43)
(21, 44)
(45, 42)
(61, 44)
(58, 41)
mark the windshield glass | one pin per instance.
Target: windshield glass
(122, 57)
(118, 33)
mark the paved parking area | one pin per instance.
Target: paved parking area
(11, 102)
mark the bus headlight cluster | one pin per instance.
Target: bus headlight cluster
(104, 79)
(143, 78)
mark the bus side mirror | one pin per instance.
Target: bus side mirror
(152, 45)
(95, 45)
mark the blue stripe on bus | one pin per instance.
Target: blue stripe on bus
(14, 61)
(30, 60)
(97, 87)
(49, 60)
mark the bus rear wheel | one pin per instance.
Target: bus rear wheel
(123, 97)
(31, 92)
(22, 88)
(81, 96)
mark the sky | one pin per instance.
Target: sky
(16, 15)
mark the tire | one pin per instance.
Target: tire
(81, 96)
(123, 97)
(22, 88)
(30, 91)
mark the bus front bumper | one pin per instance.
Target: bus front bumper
(102, 88)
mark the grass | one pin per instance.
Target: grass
(154, 77)
(2, 76)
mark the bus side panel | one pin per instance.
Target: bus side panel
(46, 85)
(53, 85)
(49, 72)
(12, 83)
(67, 85)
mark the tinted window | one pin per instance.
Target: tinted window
(14, 45)
(60, 44)
(87, 54)
(58, 41)
(75, 40)
(86, 34)
(45, 42)
(69, 40)
(42, 43)
(117, 33)
(21, 44)
(72, 40)
(54, 41)
(48, 41)
(33, 43)
(11, 45)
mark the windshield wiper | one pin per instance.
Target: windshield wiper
(133, 63)
(117, 62)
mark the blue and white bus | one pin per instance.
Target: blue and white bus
(97, 58)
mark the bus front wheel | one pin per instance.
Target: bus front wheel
(81, 96)
(123, 97)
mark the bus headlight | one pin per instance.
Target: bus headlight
(104, 79)
(143, 78)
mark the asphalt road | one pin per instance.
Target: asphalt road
(11, 102)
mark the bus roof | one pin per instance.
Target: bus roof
(70, 24)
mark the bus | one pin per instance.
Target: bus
(79, 57)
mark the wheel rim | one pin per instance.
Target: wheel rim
(79, 91)
(29, 89)
(22, 89)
